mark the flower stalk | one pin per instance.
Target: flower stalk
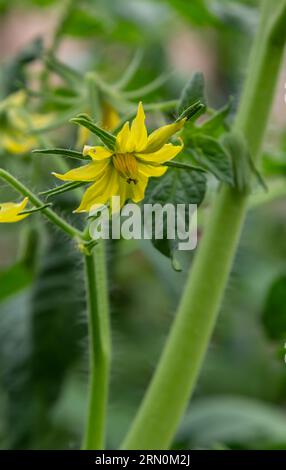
(176, 376)
(99, 348)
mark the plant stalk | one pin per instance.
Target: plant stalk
(49, 213)
(99, 348)
(176, 375)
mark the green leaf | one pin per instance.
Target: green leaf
(234, 421)
(108, 139)
(243, 166)
(208, 153)
(193, 92)
(195, 11)
(14, 279)
(83, 24)
(177, 187)
(43, 3)
(274, 165)
(274, 313)
(216, 125)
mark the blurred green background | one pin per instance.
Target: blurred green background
(240, 397)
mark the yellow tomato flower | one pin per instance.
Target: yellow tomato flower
(125, 171)
(17, 122)
(9, 211)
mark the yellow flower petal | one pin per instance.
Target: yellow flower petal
(96, 153)
(40, 120)
(160, 136)
(16, 99)
(138, 130)
(124, 191)
(9, 211)
(110, 117)
(166, 153)
(102, 190)
(124, 140)
(82, 136)
(138, 190)
(16, 145)
(24, 121)
(85, 173)
(151, 170)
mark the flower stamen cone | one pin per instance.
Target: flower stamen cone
(126, 165)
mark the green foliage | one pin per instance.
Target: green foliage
(83, 23)
(274, 165)
(233, 421)
(243, 166)
(13, 75)
(196, 12)
(50, 345)
(193, 92)
(210, 154)
(274, 312)
(42, 327)
(14, 279)
(201, 141)
(216, 124)
(176, 187)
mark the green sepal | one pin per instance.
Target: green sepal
(63, 152)
(184, 166)
(193, 112)
(107, 138)
(63, 188)
(35, 209)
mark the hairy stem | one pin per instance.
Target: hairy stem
(99, 348)
(174, 380)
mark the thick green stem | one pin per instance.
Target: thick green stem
(175, 377)
(49, 213)
(99, 347)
